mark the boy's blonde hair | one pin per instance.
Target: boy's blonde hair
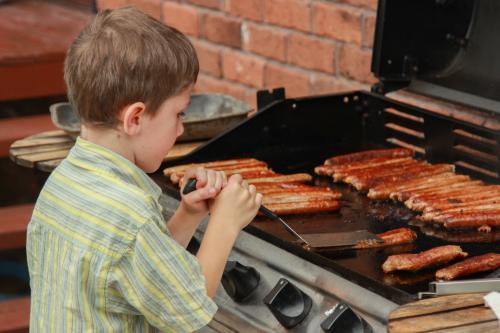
(125, 56)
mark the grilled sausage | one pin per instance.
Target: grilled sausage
(340, 172)
(304, 207)
(214, 164)
(411, 171)
(292, 178)
(391, 237)
(414, 262)
(311, 195)
(482, 263)
(368, 155)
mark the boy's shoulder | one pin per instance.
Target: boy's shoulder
(96, 206)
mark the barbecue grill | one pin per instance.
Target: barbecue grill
(432, 47)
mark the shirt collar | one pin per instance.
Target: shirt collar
(106, 160)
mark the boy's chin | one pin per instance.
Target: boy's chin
(149, 167)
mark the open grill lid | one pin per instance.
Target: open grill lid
(442, 48)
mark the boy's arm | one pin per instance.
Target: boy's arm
(213, 253)
(194, 206)
(234, 207)
(183, 224)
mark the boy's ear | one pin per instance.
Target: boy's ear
(132, 116)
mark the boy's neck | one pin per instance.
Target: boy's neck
(111, 139)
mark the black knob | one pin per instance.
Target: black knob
(239, 281)
(344, 319)
(289, 304)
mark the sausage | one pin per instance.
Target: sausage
(305, 189)
(482, 263)
(384, 191)
(451, 182)
(472, 220)
(341, 172)
(447, 196)
(418, 261)
(444, 195)
(214, 164)
(461, 210)
(304, 207)
(371, 171)
(441, 207)
(261, 187)
(368, 155)
(292, 178)
(391, 237)
(285, 197)
(408, 172)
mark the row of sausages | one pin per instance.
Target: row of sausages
(442, 197)
(441, 255)
(288, 194)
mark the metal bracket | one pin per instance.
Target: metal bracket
(439, 288)
(266, 97)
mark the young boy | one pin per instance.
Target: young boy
(100, 255)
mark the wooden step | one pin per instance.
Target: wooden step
(15, 315)
(34, 37)
(12, 129)
(13, 224)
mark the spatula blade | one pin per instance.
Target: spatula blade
(337, 239)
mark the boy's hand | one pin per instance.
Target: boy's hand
(208, 184)
(236, 205)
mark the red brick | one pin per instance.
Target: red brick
(209, 84)
(312, 53)
(251, 9)
(150, 7)
(369, 30)
(182, 17)
(243, 68)
(371, 4)
(266, 41)
(355, 63)
(111, 4)
(209, 58)
(338, 22)
(295, 14)
(327, 84)
(223, 30)
(296, 83)
(215, 4)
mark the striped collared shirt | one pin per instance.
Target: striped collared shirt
(100, 256)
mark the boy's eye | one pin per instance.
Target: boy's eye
(181, 114)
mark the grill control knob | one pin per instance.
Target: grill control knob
(343, 319)
(289, 304)
(239, 281)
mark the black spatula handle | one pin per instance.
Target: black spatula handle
(191, 186)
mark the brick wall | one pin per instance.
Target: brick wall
(307, 46)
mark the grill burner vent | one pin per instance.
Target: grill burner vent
(472, 151)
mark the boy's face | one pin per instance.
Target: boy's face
(159, 131)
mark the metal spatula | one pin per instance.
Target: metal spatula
(323, 240)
